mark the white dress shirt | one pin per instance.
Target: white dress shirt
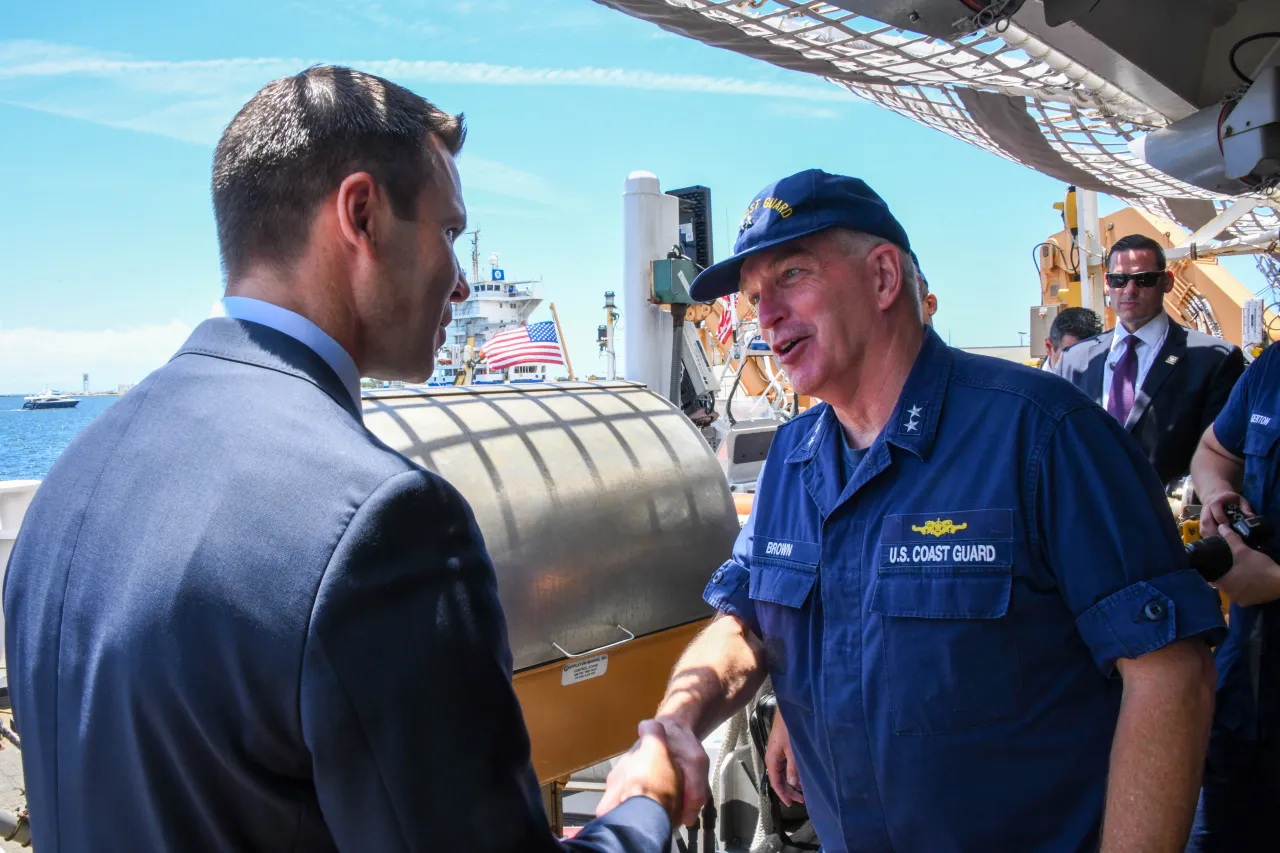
(301, 330)
(1150, 340)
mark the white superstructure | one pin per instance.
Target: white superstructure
(494, 305)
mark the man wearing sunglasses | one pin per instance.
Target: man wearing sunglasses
(1166, 383)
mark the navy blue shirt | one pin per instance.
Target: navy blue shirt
(1248, 427)
(942, 630)
(851, 457)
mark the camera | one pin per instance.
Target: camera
(1211, 556)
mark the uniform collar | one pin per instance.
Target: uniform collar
(914, 421)
(300, 329)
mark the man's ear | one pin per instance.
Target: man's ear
(356, 204)
(884, 262)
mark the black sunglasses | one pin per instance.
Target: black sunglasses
(1118, 280)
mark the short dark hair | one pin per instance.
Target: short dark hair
(295, 142)
(1138, 242)
(1079, 323)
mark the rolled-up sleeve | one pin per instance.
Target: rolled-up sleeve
(1108, 535)
(729, 588)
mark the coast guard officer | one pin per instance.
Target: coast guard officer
(1238, 462)
(961, 574)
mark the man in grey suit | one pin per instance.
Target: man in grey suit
(235, 620)
(1166, 383)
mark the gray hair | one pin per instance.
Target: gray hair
(859, 244)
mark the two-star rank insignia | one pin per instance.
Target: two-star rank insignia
(912, 424)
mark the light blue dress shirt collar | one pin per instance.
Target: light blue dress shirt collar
(300, 329)
(1151, 337)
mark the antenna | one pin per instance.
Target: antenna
(475, 255)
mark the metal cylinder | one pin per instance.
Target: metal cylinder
(650, 227)
(601, 505)
(15, 828)
(1189, 150)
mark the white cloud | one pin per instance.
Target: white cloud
(192, 100)
(31, 59)
(501, 179)
(33, 358)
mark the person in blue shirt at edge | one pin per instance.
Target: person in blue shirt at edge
(928, 301)
(236, 620)
(1238, 462)
(961, 575)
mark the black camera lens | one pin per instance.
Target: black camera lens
(1211, 557)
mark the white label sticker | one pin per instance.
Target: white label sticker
(582, 670)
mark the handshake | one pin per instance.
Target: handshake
(667, 764)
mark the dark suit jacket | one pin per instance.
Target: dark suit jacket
(1187, 386)
(238, 622)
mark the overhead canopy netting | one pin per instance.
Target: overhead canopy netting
(1000, 88)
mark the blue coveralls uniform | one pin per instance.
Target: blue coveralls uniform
(1242, 775)
(942, 623)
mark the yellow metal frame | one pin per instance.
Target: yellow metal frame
(580, 725)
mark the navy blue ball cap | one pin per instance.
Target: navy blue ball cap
(797, 206)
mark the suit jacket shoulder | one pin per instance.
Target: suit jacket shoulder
(1199, 340)
(1082, 364)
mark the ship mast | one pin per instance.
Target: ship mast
(475, 255)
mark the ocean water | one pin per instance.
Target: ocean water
(31, 441)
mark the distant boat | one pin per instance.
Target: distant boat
(49, 400)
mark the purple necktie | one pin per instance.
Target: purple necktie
(1123, 378)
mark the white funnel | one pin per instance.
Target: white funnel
(650, 227)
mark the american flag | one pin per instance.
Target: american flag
(724, 331)
(536, 344)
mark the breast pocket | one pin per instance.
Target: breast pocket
(951, 654)
(1258, 441)
(783, 591)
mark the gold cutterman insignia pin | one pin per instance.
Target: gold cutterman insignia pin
(939, 527)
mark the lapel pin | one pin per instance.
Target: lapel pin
(1173, 359)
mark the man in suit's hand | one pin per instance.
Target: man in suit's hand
(648, 770)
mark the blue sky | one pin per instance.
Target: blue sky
(109, 114)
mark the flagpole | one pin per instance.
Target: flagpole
(560, 336)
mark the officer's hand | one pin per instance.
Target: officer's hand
(1254, 577)
(783, 775)
(689, 755)
(1213, 510)
(646, 771)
